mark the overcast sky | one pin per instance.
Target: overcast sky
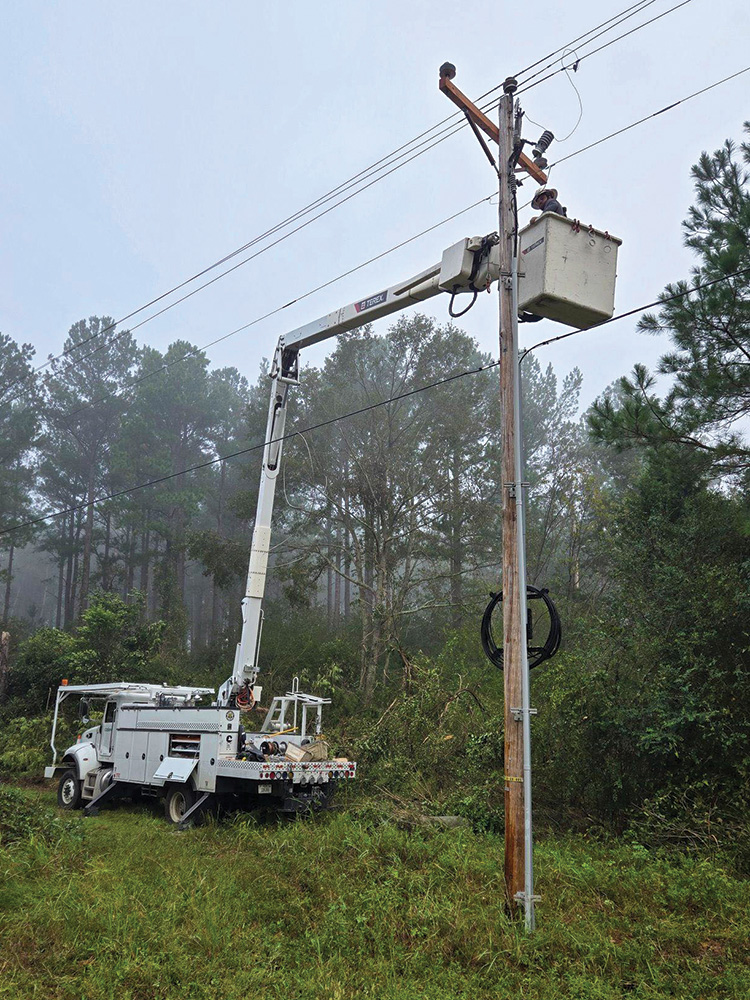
(142, 141)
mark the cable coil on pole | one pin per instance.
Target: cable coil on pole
(537, 654)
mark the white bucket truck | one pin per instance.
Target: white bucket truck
(165, 741)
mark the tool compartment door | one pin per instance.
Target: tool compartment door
(175, 769)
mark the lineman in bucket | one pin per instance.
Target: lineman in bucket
(546, 200)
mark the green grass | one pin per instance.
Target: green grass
(347, 907)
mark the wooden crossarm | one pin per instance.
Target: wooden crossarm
(481, 120)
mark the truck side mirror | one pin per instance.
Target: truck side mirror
(83, 712)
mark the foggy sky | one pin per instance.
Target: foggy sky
(142, 141)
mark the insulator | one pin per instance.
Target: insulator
(543, 143)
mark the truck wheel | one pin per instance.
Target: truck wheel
(179, 799)
(69, 791)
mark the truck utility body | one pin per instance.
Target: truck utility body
(160, 740)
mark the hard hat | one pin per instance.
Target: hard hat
(552, 192)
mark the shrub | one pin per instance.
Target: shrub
(24, 745)
(22, 820)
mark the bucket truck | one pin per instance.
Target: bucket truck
(167, 742)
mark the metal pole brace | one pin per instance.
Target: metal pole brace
(517, 713)
(523, 898)
(511, 487)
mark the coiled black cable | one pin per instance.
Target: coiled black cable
(463, 312)
(537, 654)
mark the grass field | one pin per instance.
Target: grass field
(123, 906)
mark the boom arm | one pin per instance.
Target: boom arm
(468, 266)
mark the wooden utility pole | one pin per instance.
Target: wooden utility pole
(519, 872)
(512, 617)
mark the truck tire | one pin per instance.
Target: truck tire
(69, 790)
(179, 799)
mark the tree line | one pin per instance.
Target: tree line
(380, 517)
(387, 522)
(387, 540)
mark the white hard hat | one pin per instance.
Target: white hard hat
(551, 192)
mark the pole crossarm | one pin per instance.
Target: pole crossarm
(480, 119)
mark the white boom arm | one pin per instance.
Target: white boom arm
(468, 266)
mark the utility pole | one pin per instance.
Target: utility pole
(512, 616)
(519, 869)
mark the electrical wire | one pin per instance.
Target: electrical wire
(640, 121)
(246, 326)
(580, 102)
(655, 114)
(344, 186)
(639, 309)
(527, 85)
(273, 312)
(364, 409)
(457, 315)
(379, 165)
(613, 22)
(76, 361)
(245, 451)
(537, 654)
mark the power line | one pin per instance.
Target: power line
(345, 185)
(640, 121)
(655, 114)
(414, 147)
(273, 312)
(632, 312)
(245, 451)
(364, 409)
(189, 354)
(528, 86)
(581, 40)
(379, 166)
(77, 360)
(618, 19)
(398, 246)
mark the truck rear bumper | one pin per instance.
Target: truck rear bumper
(304, 773)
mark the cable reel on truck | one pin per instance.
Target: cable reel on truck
(537, 653)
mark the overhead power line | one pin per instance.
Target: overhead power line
(527, 85)
(354, 413)
(246, 451)
(553, 57)
(632, 312)
(400, 153)
(273, 312)
(398, 246)
(655, 114)
(107, 343)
